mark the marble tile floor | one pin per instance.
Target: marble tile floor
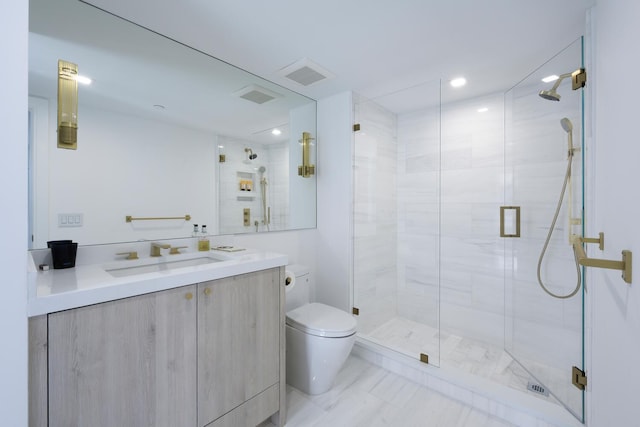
(460, 353)
(367, 395)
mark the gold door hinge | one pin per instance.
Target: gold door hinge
(424, 358)
(356, 127)
(578, 378)
(355, 311)
(578, 79)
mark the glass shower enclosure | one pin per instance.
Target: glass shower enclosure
(433, 279)
(544, 292)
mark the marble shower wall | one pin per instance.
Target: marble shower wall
(375, 222)
(426, 219)
(452, 186)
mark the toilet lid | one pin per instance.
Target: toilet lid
(322, 320)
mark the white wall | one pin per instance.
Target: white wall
(109, 177)
(614, 375)
(13, 228)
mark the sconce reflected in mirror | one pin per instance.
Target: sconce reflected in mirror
(306, 169)
(67, 105)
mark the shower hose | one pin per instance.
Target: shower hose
(546, 243)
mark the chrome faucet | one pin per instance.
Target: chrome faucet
(155, 248)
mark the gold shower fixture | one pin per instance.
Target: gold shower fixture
(306, 169)
(67, 105)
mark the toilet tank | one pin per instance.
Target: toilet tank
(297, 293)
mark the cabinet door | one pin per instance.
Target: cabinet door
(129, 362)
(238, 341)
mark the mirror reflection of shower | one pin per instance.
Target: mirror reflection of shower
(250, 156)
(266, 210)
(567, 126)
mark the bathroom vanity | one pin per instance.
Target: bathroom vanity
(190, 345)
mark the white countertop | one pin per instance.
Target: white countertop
(63, 289)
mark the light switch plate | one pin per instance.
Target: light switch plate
(70, 220)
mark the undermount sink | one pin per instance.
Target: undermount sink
(160, 266)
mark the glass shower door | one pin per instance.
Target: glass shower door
(396, 161)
(544, 152)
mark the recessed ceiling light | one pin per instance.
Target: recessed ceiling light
(458, 82)
(276, 131)
(483, 110)
(83, 79)
(550, 78)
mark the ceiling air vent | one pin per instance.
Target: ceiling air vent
(257, 94)
(305, 72)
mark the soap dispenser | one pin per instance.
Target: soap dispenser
(203, 240)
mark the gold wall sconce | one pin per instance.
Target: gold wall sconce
(67, 105)
(306, 169)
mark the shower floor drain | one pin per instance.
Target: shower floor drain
(537, 388)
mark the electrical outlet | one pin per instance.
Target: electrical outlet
(70, 220)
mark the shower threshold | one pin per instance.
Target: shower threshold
(475, 373)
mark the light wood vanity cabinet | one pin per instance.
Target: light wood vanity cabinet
(210, 354)
(130, 362)
(238, 332)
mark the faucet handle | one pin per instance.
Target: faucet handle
(176, 250)
(130, 255)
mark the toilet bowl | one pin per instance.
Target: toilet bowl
(319, 337)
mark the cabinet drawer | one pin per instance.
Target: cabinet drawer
(253, 411)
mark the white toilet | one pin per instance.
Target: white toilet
(319, 337)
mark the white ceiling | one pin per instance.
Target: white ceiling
(373, 47)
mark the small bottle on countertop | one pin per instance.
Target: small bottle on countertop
(203, 240)
(196, 231)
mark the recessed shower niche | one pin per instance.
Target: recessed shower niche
(245, 186)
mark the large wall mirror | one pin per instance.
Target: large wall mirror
(164, 131)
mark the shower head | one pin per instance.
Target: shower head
(552, 94)
(252, 155)
(262, 169)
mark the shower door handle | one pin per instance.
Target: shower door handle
(514, 221)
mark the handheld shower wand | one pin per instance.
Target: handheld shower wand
(568, 127)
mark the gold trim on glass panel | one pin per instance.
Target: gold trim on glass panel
(578, 378)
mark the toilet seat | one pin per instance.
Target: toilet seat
(322, 320)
